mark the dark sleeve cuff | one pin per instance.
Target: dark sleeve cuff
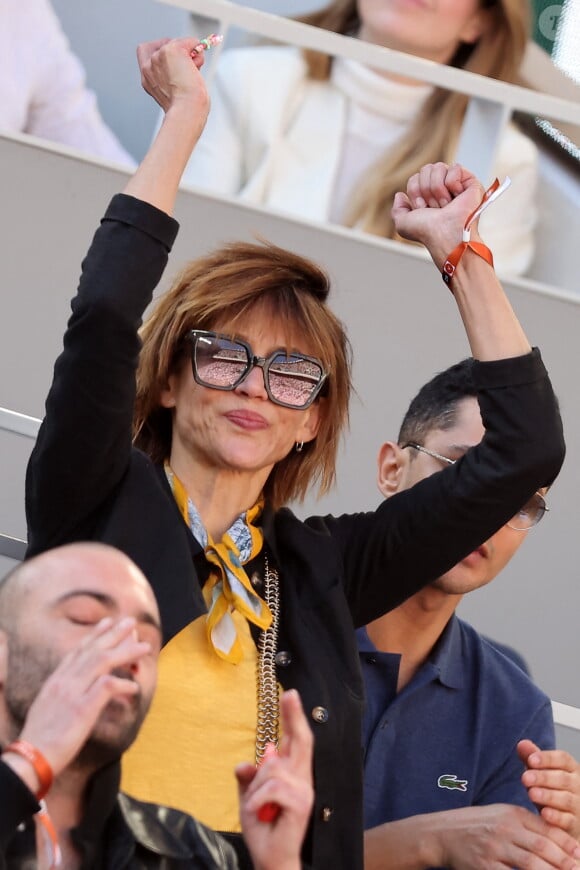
(17, 802)
(143, 216)
(509, 372)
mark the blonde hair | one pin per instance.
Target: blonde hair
(224, 287)
(498, 54)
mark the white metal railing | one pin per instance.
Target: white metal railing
(12, 548)
(306, 36)
(491, 102)
(540, 72)
(566, 715)
(21, 424)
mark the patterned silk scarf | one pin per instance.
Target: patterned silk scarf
(228, 588)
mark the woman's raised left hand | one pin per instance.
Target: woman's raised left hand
(433, 210)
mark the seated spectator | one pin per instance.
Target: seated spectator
(334, 140)
(42, 84)
(79, 642)
(445, 708)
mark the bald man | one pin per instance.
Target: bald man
(79, 642)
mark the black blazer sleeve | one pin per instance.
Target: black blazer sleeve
(418, 534)
(84, 443)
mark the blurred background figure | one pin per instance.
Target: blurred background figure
(333, 140)
(42, 84)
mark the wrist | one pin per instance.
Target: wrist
(30, 765)
(412, 843)
(190, 116)
(426, 834)
(277, 864)
(447, 240)
(455, 257)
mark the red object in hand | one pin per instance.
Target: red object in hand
(269, 812)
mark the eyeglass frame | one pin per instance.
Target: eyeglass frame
(446, 459)
(253, 361)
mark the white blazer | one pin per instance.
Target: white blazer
(42, 84)
(274, 137)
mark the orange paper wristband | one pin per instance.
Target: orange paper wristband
(450, 264)
(41, 766)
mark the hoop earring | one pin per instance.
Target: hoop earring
(299, 446)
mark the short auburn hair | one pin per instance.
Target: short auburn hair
(225, 286)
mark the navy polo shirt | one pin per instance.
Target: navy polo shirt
(448, 740)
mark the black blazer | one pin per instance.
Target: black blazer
(85, 481)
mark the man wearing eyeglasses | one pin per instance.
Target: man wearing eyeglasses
(451, 723)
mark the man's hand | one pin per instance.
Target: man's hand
(285, 779)
(552, 779)
(438, 201)
(503, 836)
(495, 837)
(73, 697)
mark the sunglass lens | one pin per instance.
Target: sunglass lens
(293, 379)
(219, 362)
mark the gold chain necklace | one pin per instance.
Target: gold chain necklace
(267, 730)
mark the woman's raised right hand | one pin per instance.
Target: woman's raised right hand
(171, 75)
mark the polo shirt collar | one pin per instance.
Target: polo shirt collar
(447, 656)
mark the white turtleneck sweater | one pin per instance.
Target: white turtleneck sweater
(379, 114)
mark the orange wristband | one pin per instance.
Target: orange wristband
(450, 265)
(41, 766)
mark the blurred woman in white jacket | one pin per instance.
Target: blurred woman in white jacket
(332, 140)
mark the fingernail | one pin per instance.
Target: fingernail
(443, 202)
(420, 202)
(105, 622)
(208, 42)
(126, 622)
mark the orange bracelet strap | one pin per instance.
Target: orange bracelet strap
(41, 766)
(450, 264)
(50, 831)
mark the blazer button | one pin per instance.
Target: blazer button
(320, 715)
(283, 658)
(326, 813)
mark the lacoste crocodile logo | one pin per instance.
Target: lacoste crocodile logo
(449, 780)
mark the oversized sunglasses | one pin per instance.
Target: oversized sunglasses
(291, 379)
(526, 518)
